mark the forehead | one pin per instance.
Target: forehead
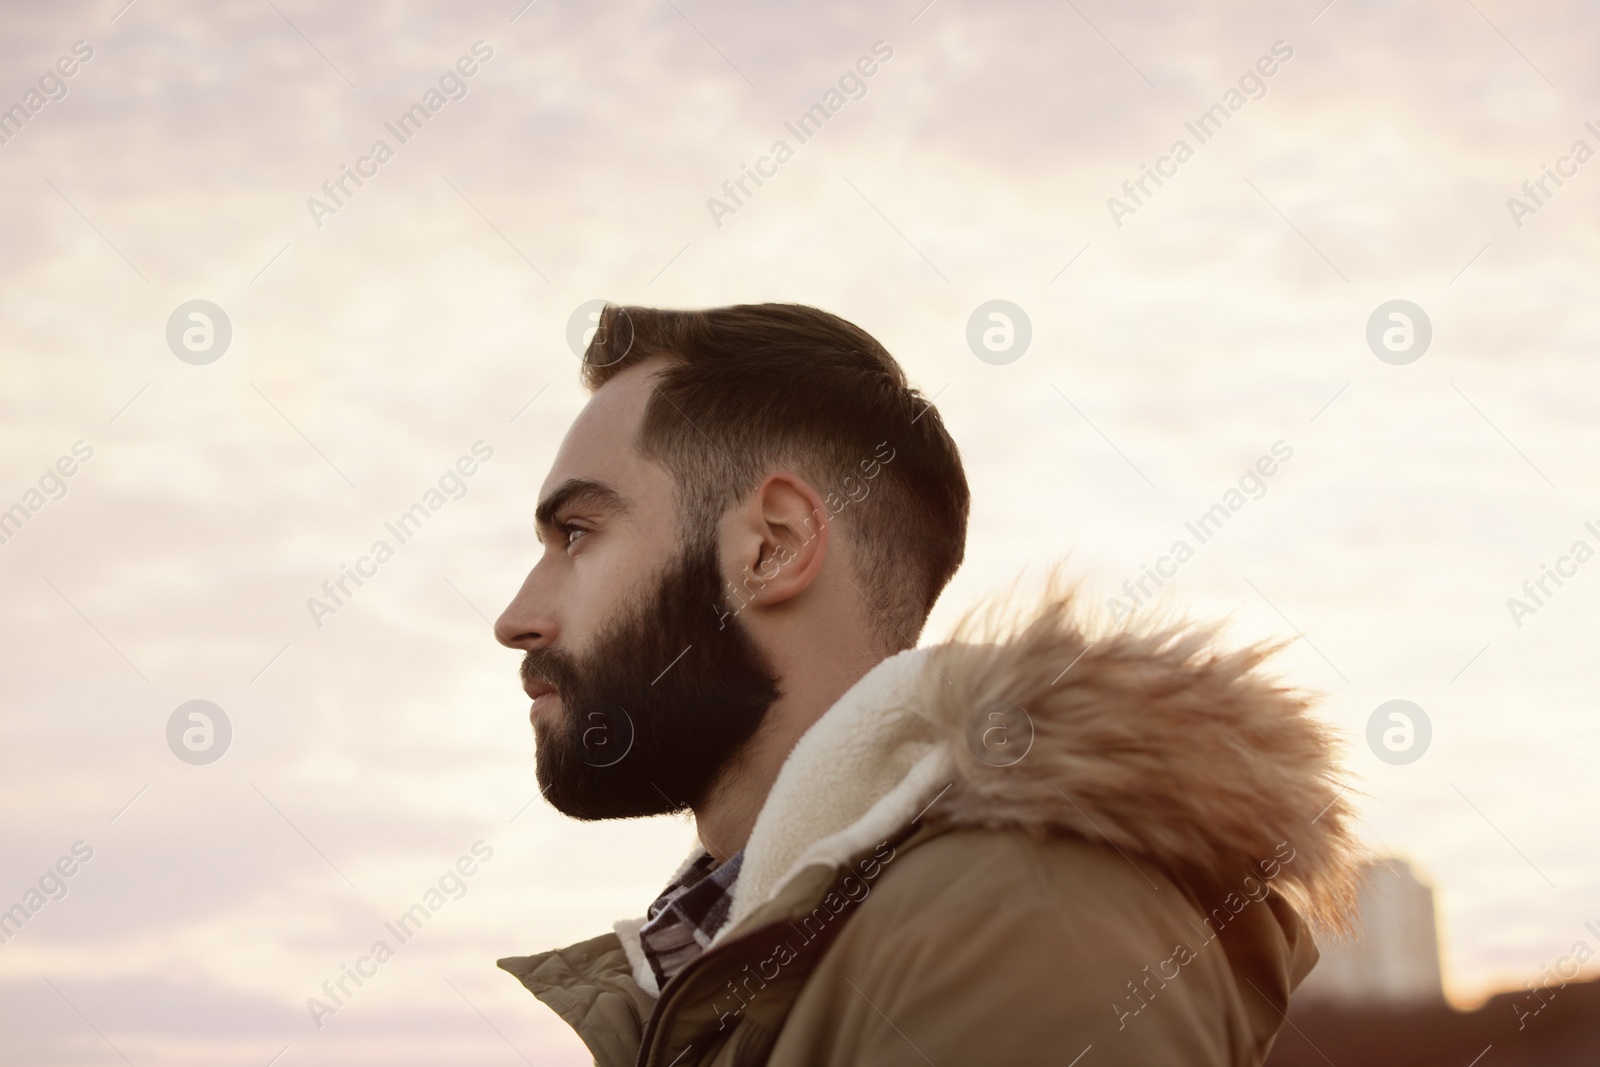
(599, 444)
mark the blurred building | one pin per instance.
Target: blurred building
(1393, 958)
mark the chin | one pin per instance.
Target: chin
(544, 707)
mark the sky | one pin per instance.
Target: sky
(382, 334)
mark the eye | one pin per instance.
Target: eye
(570, 533)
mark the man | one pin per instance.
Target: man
(1032, 845)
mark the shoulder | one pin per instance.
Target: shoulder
(1000, 946)
(966, 871)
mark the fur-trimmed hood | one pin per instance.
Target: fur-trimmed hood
(1154, 740)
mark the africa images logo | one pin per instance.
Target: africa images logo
(452, 85)
(1252, 86)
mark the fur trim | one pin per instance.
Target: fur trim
(1150, 739)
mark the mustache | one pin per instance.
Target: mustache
(549, 665)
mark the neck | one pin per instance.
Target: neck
(724, 820)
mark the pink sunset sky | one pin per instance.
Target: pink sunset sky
(422, 317)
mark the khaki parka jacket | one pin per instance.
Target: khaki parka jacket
(1030, 846)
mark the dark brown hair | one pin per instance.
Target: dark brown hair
(759, 387)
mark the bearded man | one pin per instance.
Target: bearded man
(1033, 844)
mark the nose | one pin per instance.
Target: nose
(526, 623)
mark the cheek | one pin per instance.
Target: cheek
(604, 581)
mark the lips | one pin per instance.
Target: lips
(543, 694)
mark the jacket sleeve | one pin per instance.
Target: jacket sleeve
(1004, 950)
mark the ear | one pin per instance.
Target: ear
(776, 542)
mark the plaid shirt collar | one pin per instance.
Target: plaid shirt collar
(681, 923)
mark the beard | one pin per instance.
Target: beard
(651, 715)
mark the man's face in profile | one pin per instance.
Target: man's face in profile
(643, 689)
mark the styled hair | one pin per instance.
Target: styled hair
(755, 388)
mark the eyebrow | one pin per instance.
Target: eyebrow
(576, 491)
